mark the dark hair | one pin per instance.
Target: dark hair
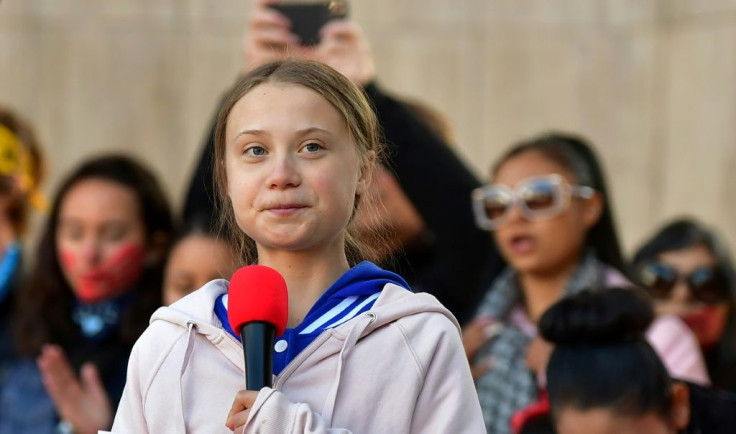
(46, 300)
(341, 93)
(601, 357)
(683, 233)
(577, 155)
(18, 212)
(201, 223)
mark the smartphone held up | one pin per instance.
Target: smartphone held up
(308, 18)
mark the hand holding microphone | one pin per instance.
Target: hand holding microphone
(257, 308)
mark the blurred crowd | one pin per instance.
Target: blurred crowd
(563, 332)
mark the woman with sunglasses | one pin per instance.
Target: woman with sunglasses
(689, 273)
(548, 208)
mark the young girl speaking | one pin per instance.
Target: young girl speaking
(296, 144)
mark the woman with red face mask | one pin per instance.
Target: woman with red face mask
(689, 273)
(96, 280)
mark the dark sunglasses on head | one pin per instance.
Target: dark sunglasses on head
(706, 284)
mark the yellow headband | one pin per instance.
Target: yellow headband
(15, 162)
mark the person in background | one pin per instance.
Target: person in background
(548, 207)
(21, 174)
(197, 256)
(689, 272)
(421, 188)
(95, 282)
(604, 377)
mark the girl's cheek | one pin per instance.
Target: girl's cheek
(121, 270)
(68, 259)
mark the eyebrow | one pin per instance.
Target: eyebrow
(301, 132)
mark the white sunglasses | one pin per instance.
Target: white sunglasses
(539, 197)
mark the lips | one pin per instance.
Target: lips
(521, 244)
(285, 209)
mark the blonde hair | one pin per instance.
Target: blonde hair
(343, 95)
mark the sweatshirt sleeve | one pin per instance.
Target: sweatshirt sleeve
(273, 413)
(678, 348)
(448, 402)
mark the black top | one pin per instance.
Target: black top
(453, 260)
(711, 411)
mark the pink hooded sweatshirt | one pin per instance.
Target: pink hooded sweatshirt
(398, 368)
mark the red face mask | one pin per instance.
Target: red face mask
(707, 324)
(121, 270)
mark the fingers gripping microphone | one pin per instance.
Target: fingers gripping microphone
(257, 308)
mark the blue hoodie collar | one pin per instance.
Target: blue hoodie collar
(365, 279)
(350, 295)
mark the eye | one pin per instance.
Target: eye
(114, 232)
(540, 195)
(71, 232)
(497, 206)
(312, 147)
(255, 151)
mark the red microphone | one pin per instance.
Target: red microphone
(257, 308)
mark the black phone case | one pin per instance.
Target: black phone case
(308, 18)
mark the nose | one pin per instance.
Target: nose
(91, 251)
(681, 292)
(284, 173)
(514, 212)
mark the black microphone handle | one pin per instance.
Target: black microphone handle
(257, 340)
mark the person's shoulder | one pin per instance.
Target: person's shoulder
(678, 348)
(713, 411)
(425, 325)
(171, 323)
(397, 304)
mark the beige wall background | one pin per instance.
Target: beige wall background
(651, 82)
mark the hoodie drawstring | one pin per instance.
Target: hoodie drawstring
(191, 333)
(352, 338)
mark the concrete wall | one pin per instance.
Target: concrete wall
(651, 83)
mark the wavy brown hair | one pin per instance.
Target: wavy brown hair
(45, 301)
(344, 96)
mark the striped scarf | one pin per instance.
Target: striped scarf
(509, 385)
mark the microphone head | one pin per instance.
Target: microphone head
(257, 293)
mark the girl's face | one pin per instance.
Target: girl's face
(707, 320)
(543, 245)
(100, 239)
(292, 169)
(194, 261)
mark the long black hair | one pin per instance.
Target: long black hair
(601, 357)
(576, 155)
(46, 300)
(683, 233)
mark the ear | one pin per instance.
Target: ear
(365, 177)
(680, 416)
(592, 210)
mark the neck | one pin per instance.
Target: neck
(543, 289)
(308, 274)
